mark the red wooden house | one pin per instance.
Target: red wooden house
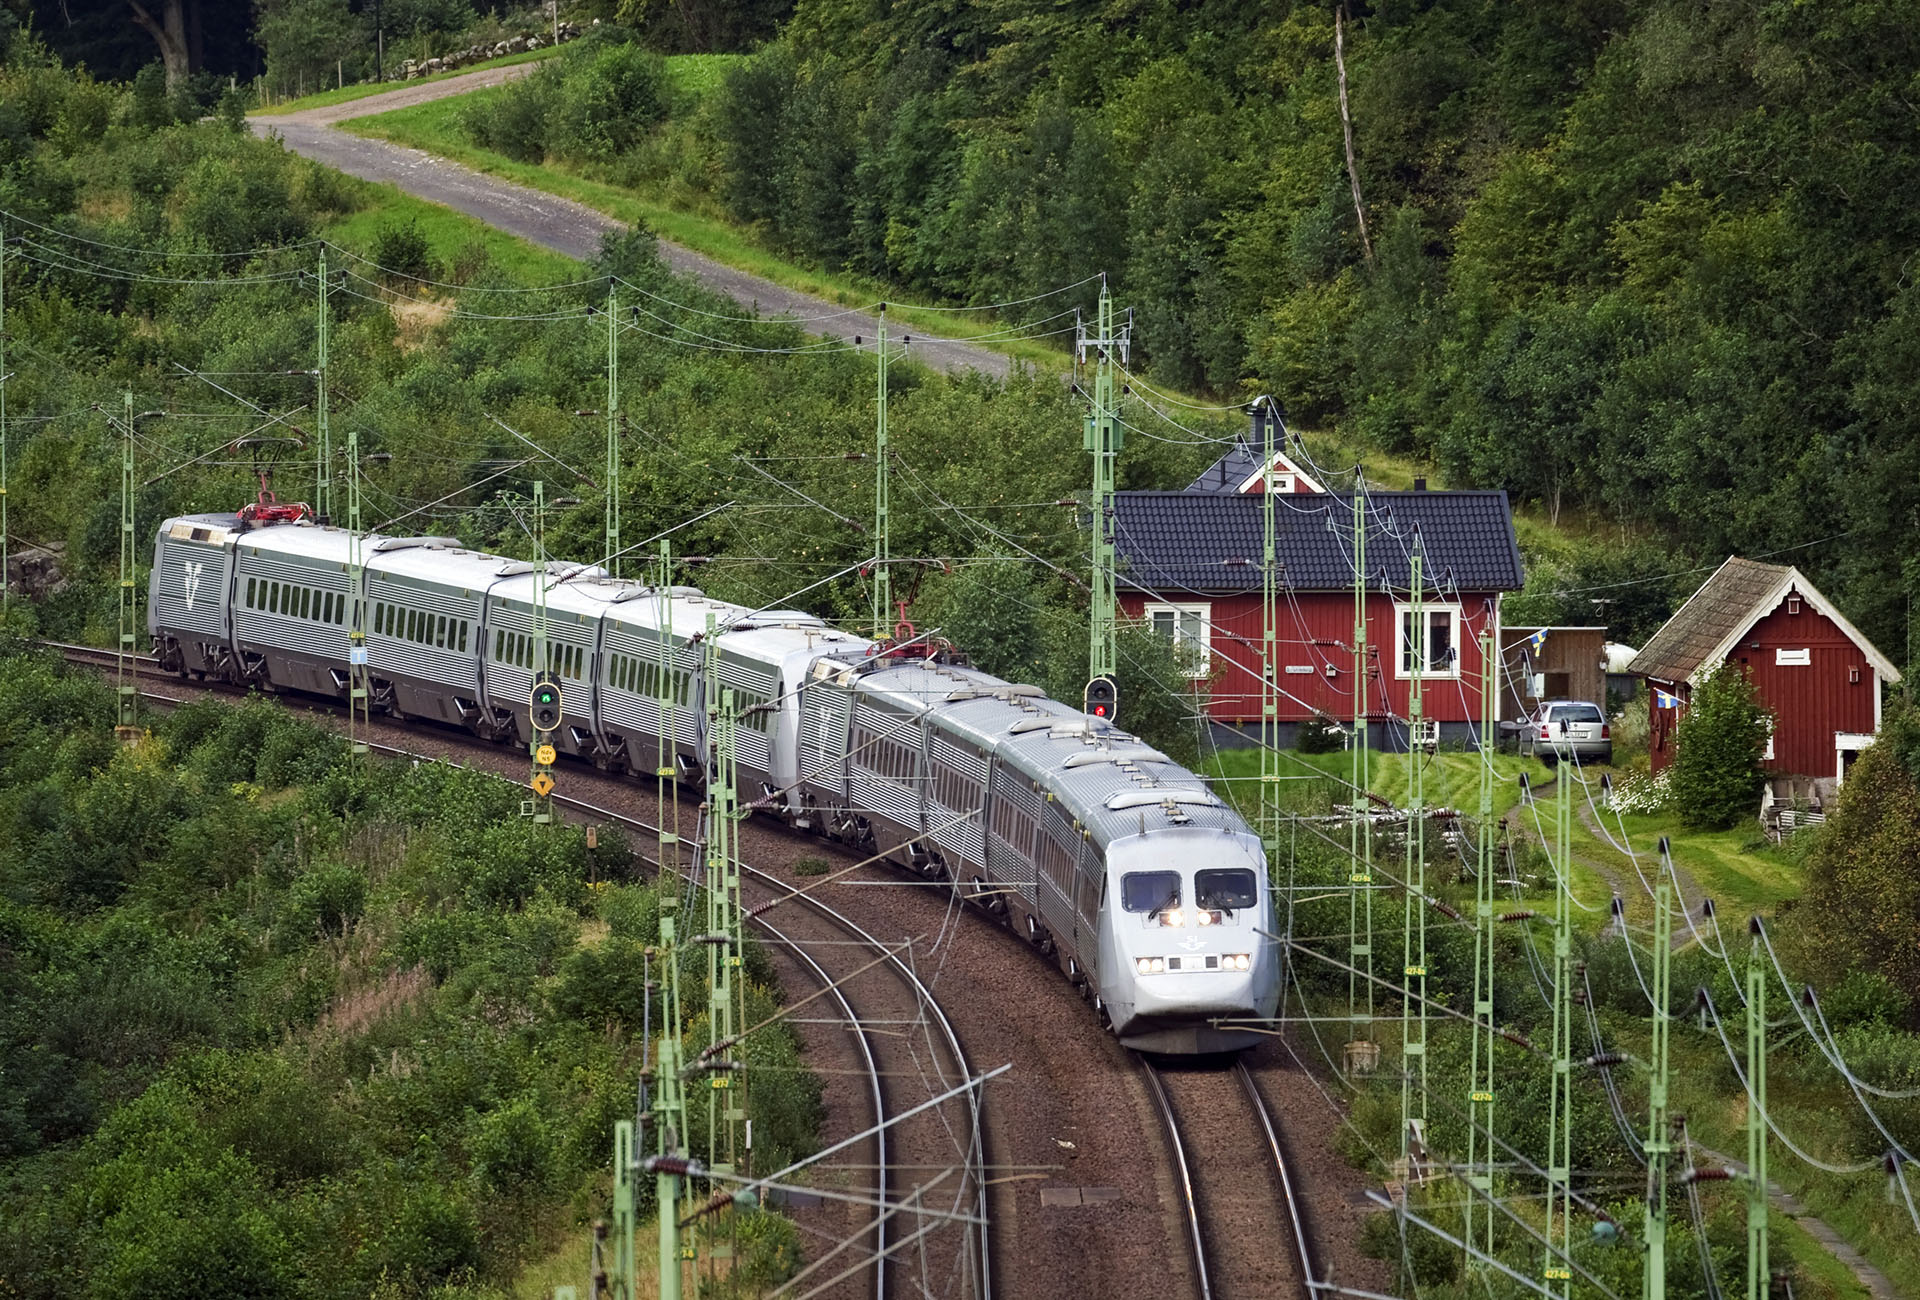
(1820, 677)
(1190, 566)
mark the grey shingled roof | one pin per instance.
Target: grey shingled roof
(1206, 542)
(1229, 472)
(1724, 604)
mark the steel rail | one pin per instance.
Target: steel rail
(1304, 1255)
(865, 1039)
(983, 1256)
(924, 995)
(1184, 1170)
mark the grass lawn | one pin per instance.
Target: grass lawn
(363, 89)
(1452, 779)
(448, 233)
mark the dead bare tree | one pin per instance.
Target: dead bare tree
(1346, 127)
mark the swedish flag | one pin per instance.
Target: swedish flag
(1662, 700)
(1537, 640)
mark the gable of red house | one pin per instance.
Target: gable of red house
(1822, 680)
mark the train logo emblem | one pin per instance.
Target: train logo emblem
(193, 579)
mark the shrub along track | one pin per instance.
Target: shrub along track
(1078, 1184)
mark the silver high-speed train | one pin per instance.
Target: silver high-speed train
(1147, 891)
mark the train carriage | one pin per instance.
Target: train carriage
(188, 605)
(1121, 866)
(289, 608)
(510, 649)
(423, 627)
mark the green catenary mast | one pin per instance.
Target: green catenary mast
(1480, 1153)
(882, 493)
(323, 473)
(1558, 1276)
(1103, 439)
(359, 685)
(1413, 934)
(613, 432)
(124, 688)
(1653, 1284)
(1759, 1275)
(1269, 643)
(1360, 872)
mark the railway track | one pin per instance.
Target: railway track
(937, 1214)
(921, 1176)
(1244, 1223)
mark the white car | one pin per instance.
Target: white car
(1570, 729)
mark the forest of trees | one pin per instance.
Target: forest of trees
(1647, 257)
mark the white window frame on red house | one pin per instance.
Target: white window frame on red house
(1402, 670)
(1185, 643)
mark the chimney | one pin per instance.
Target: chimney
(1419, 485)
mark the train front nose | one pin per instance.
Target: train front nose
(1192, 959)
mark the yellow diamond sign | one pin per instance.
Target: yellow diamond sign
(542, 785)
(544, 755)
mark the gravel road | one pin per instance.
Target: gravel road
(566, 227)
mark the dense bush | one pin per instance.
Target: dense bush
(260, 1037)
(1716, 763)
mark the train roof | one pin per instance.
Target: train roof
(1110, 780)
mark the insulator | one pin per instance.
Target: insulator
(1708, 1176)
(1518, 916)
(679, 1166)
(1605, 1060)
(1514, 1037)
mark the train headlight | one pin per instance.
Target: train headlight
(1241, 961)
(1144, 965)
(1204, 917)
(1174, 917)
(1159, 965)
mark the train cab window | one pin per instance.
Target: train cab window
(1149, 891)
(1225, 890)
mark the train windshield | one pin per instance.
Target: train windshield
(1225, 890)
(1150, 891)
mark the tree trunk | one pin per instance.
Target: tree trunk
(170, 34)
(1346, 127)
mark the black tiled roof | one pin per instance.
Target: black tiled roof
(1207, 542)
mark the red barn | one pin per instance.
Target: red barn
(1822, 680)
(1190, 566)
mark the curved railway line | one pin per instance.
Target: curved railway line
(939, 1192)
(1248, 1234)
(925, 1183)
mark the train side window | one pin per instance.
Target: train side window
(463, 636)
(1150, 891)
(269, 604)
(250, 582)
(440, 631)
(1225, 890)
